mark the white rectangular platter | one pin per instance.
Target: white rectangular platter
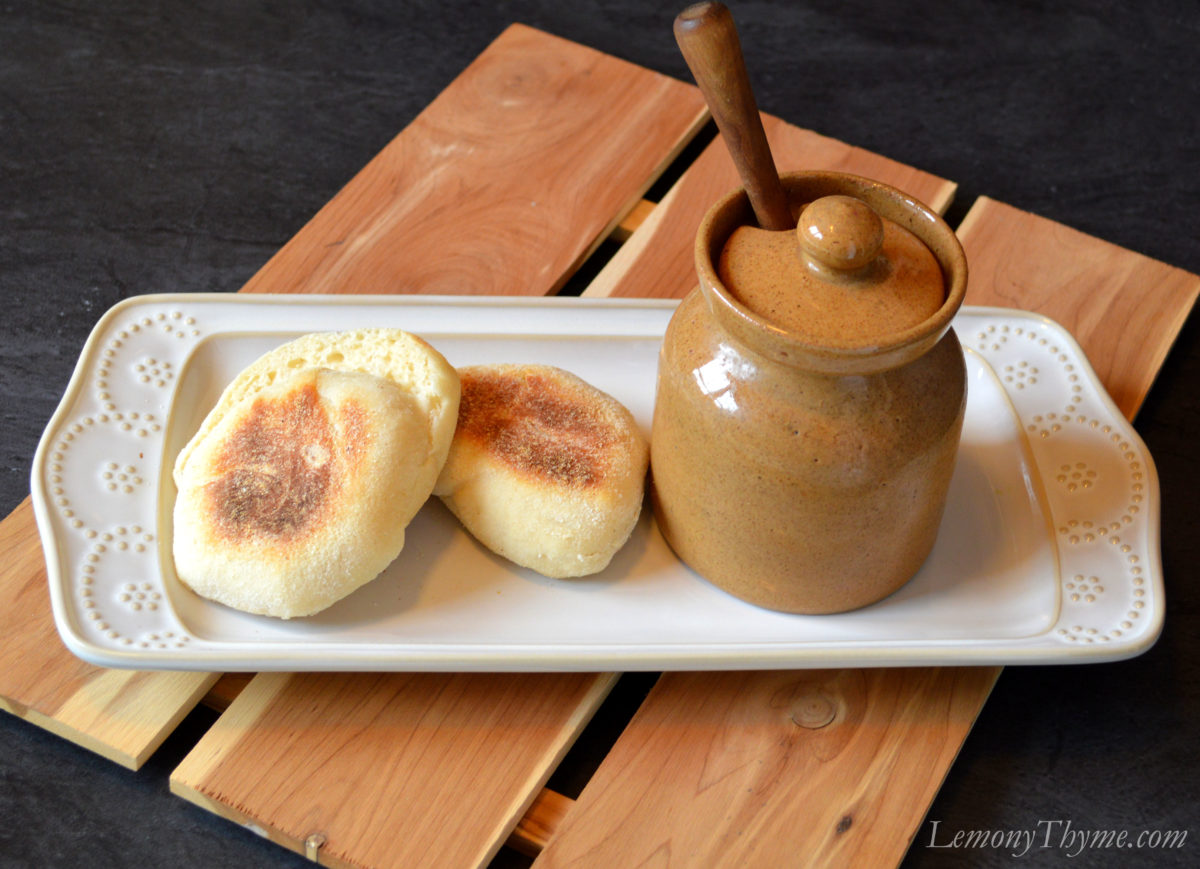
(1048, 553)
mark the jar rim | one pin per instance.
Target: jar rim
(851, 356)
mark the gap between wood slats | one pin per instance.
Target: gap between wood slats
(607, 245)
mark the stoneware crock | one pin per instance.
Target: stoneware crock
(800, 476)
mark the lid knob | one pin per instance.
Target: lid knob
(839, 232)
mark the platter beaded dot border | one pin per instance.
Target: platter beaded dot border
(103, 466)
(1094, 471)
(102, 493)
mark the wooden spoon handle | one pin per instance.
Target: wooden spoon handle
(709, 42)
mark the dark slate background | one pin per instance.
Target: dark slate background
(173, 147)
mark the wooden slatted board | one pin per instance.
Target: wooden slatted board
(506, 184)
(122, 715)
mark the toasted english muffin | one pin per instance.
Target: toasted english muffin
(301, 492)
(298, 486)
(544, 469)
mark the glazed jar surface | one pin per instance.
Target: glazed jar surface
(804, 476)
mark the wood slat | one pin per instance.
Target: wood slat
(121, 715)
(480, 194)
(540, 822)
(1123, 308)
(529, 836)
(816, 767)
(657, 260)
(512, 147)
(389, 769)
(837, 768)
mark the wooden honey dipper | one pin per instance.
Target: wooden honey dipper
(708, 39)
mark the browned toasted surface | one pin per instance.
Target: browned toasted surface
(277, 474)
(539, 422)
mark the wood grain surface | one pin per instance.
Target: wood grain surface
(813, 768)
(1123, 308)
(828, 767)
(471, 197)
(388, 769)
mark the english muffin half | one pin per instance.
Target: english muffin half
(299, 485)
(545, 469)
(302, 492)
